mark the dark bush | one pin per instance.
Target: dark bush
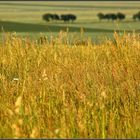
(111, 16)
(68, 17)
(55, 17)
(101, 16)
(107, 16)
(120, 16)
(49, 17)
(65, 18)
(72, 17)
(136, 16)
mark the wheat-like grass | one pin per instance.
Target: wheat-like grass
(54, 89)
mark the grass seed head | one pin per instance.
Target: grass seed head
(16, 130)
(18, 105)
(34, 133)
(103, 94)
(18, 101)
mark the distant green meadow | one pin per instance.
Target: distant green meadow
(25, 18)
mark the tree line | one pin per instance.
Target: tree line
(55, 17)
(118, 16)
(111, 16)
(71, 17)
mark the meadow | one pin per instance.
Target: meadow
(25, 18)
(56, 82)
(54, 89)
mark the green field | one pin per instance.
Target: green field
(26, 17)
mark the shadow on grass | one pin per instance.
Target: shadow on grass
(9, 26)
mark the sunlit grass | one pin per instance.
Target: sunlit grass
(53, 89)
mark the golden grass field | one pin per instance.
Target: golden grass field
(53, 89)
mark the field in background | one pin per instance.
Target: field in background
(26, 17)
(52, 90)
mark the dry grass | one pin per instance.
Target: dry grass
(54, 90)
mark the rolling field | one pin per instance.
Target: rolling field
(26, 17)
